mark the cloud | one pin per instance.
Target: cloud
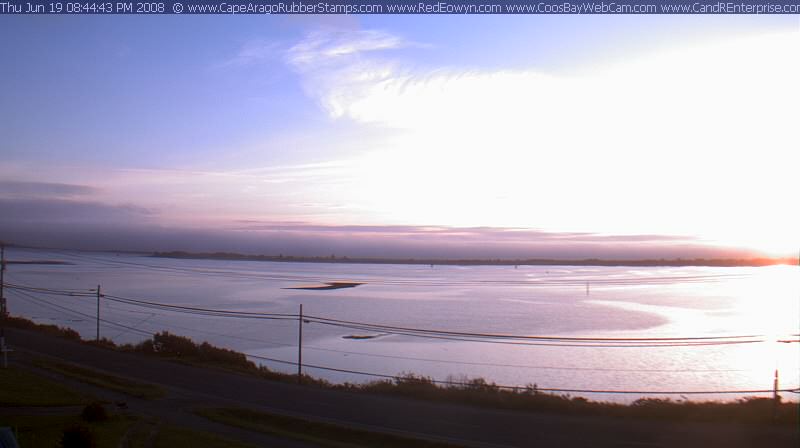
(56, 212)
(253, 52)
(300, 239)
(337, 66)
(645, 145)
(486, 242)
(647, 91)
(498, 235)
(325, 48)
(43, 189)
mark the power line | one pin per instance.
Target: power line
(405, 330)
(508, 339)
(45, 303)
(160, 306)
(61, 292)
(523, 366)
(545, 343)
(40, 302)
(151, 315)
(509, 336)
(207, 311)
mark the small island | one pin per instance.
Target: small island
(327, 285)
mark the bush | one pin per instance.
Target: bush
(168, 344)
(25, 324)
(94, 412)
(78, 436)
(103, 342)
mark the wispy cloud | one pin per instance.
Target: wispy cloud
(337, 66)
(9, 188)
(475, 234)
(253, 52)
(321, 48)
(60, 211)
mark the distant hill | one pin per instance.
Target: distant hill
(719, 262)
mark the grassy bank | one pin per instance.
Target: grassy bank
(20, 388)
(42, 412)
(320, 434)
(48, 431)
(475, 392)
(104, 380)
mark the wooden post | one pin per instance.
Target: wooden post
(775, 386)
(2, 279)
(776, 399)
(97, 335)
(300, 346)
(3, 306)
(3, 309)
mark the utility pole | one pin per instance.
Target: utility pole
(97, 336)
(776, 399)
(300, 346)
(2, 279)
(3, 308)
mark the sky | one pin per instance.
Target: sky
(402, 136)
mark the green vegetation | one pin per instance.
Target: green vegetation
(479, 392)
(47, 430)
(93, 425)
(26, 389)
(77, 436)
(25, 324)
(23, 388)
(172, 436)
(94, 412)
(168, 345)
(323, 434)
(125, 386)
(148, 433)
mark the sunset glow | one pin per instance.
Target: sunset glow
(362, 125)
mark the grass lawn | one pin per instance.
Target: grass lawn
(323, 434)
(23, 388)
(172, 436)
(44, 431)
(104, 380)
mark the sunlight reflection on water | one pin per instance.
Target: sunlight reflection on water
(532, 300)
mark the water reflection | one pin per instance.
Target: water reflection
(621, 302)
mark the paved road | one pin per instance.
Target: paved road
(469, 426)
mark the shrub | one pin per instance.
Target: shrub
(78, 436)
(225, 356)
(19, 322)
(94, 412)
(103, 342)
(169, 344)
